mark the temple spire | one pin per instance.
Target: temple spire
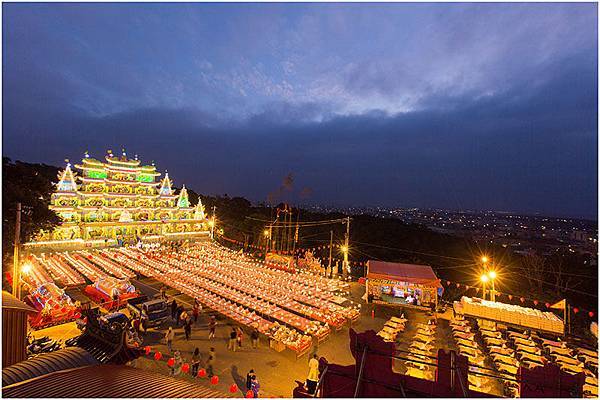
(183, 200)
(199, 210)
(165, 186)
(66, 181)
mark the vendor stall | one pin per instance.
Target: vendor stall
(401, 284)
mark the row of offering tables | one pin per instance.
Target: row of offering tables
(290, 308)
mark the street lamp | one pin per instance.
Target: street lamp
(484, 259)
(26, 268)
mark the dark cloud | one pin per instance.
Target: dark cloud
(481, 116)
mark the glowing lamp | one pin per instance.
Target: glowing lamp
(147, 349)
(201, 373)
(249, 394)
(157, 355)
(185, 368)
(233, 388)
(484, 259)
(492, 274)
(484, 278)
(171, 362)
(26, 268)
(214, 380)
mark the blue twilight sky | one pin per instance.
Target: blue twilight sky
(481, 106)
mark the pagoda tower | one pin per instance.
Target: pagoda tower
(120, 198)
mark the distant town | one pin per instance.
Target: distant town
(522, 233)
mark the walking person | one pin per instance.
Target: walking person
(313, 374)
(255, 386)
(240, 333)
(212, 357)
(254, 338)
(187, 328)
(249, 377)
(173, 309)
(169, 336)
(176, 368)
(195, 362)
(232, 340)
(213, 326)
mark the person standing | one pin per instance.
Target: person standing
(163, 292)
(195, 362)
(187, 328)
(254, 338)
(255, 387)
(232, 340)
(313, 374)
(213, 326)
(173, 309)
(196, 313)
(240, 333)
(136, 325)
(212, 357)
(169, 336)
(249, 376)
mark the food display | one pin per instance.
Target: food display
(512, 314)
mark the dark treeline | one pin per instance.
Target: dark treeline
(547, 279)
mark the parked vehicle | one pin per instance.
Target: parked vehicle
(153, 312)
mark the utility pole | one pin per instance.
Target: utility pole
(16, 284)
(212, 226)
(346, 248)
(330, 250)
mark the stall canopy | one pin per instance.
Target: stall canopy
(412, 273)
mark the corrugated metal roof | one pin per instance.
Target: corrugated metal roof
(407, 272)
(108, 381)
(10, 301)
(43, 364)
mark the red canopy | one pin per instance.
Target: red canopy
(412, 273)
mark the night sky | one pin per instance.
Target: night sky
(459, 106)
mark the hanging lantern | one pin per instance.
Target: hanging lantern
(185, 368)
(201, 373)
(147, 349)
(214, 380)
(468, 287)
(157, 355)
(510, 296)
(233, 388)
(522, 299)
(448, 283)
(591, 314)
(575, 310)
(171, 362)
(535, 302)
(458, 285)
(249, 394)
(547, 305)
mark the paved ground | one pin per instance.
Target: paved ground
(275, 371)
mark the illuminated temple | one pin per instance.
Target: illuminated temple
(120, 199)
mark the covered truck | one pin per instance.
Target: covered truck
(152, 312)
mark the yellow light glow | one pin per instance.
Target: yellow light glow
(26, 268)
(484, 259)
(344, 249)
(484, 278)
(266, 232)
(211, 223)
(492, 274)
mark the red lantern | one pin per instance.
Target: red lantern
(249, 394)
(78, 315)
(522, 299)
(171, 362)
(591, 314)
(535, 302)
(448, 283)
(510, 296)
(468, 287)
(147, 349)
(201, 373)
(458, 285)
(547, 305)
(214, 380)
(233, 388)
(185, 368)
(157, 355)
(575, 310)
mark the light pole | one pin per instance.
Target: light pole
(346, 247)
(16, 287)
(484, 278)
(492, 276)
(212, 224)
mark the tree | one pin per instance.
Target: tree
(31, 185)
